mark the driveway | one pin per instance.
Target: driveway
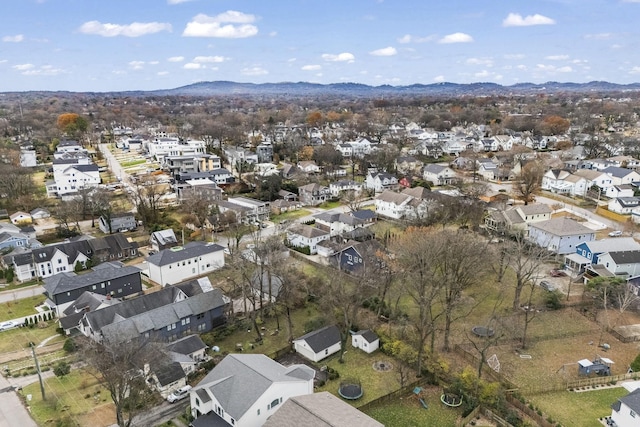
(22, 293)
(12, 412)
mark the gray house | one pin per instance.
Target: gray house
(166, 315)
(113, 279)
(119, 222)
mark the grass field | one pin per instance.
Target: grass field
(74, 400)
(286, 216)
(359, 365)
(19, 338)
(579, 409)
(20, 308)
(408, 412)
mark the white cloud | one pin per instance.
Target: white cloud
(514, 56)
(438, 79)
(385, 51)
(516, 20)
(136, 65)
(273, 33)
(408, 38)
(176, 59)
(482, 74)
(553, 68)
(254, 71)
(456, 38)
(341, 57)
(177, 1)
(635, 70)
(23, 67)
(292, 59)
(229, 25)
(31, 70)
(209, 59)
(487, 62)
(162, 73)
(521, 67)
(310, 67)
(630, 1)
(616, 46)
(13, 39)
(135, 29)
(154, 62)
(599, 36)
(192, 66)
(557, 57)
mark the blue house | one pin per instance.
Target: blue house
(13, 240)
(587, 252)
(356, 256)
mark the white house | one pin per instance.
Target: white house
(626, 411)
(73, 175)
(595, 177)
(622, 175)
(180, 263)
(319, 344)
(338, 187)
(392, 205)
(244, 390)
(301, 235)
(438, 174)
(487, 169)
(560, 235)
(21, 218)
(365, 340)
(615, 191)
(621, 263)
(624, 205)
(380, 181)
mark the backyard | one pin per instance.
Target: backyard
(20, 307)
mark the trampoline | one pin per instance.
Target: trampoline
(451, 400)
(350, 390)
(482, 331)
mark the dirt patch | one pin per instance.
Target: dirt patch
(100, 416)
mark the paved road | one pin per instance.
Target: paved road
(12, 412)
(7, 296)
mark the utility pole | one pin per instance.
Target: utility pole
(35, 358)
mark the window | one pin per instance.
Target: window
(633, 414)
(274, 403)
(186, 321)
(171, 327)
(94, 287)
(202, 327)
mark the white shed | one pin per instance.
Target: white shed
(366, 340)
(319, 344)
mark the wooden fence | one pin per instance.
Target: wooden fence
(529, 412)
(466, 420)
(402, 392)
(602, 211)
(589, 382)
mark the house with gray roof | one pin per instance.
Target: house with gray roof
(516, 219)
(337, 223)
(113, 279)
(180, 263)
(165, 315)
(244, 390)
(313, 194)
(117, 222)
(625, 412)
(163, 239)
(439, 174)
(319, 410)
(319, 344)
(560, 235)
(301, 235)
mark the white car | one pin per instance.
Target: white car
(616, 233)
(7, 325)
(179, 394)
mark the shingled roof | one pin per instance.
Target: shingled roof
(322, 338)
(181, 253)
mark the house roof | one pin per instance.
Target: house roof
(65, 282)
(588, 174)
(307, 231)
(628, 202)
(239, 380)
(168, 373)
(393, 197)
(562, 227)
(262, 282)
(535, 209)
(617, 172)
(187, 345)
(164, 237)
(181, 253)
(364, 214)
(319, 410)
(322, 338)
(154, 311)
(368, 335)
(625, 257)
(615, 244)
(338, 217)
(632, 400)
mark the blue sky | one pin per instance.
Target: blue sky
(113, 45)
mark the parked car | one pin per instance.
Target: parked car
(616, 233)
(547, 286)
(179, 394)
(557, 273)
(7, 325)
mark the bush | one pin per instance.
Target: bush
(62, 369)
(69, 345)
(635, 365)
(552, 300)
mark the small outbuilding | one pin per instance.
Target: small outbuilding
(366, 340)
(599, 366)
(319, 344)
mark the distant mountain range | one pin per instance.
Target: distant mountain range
(356, 90)
(362, 90)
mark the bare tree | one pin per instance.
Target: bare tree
(123, 369)
(146, 197)
(526, 260)
(529, 181)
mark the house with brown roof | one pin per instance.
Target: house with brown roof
(301, 235)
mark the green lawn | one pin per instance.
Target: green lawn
(20, 308)
(359, 365)
(74, 400)
(330, 205)
(131, 163)
(19, 338)
(290, 215)
(579, 409)
(408, 412)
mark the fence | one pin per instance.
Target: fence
(402, 392)
(612, 215)
(495, 418)
(538, 417)
(588, 382)
(466, 420)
